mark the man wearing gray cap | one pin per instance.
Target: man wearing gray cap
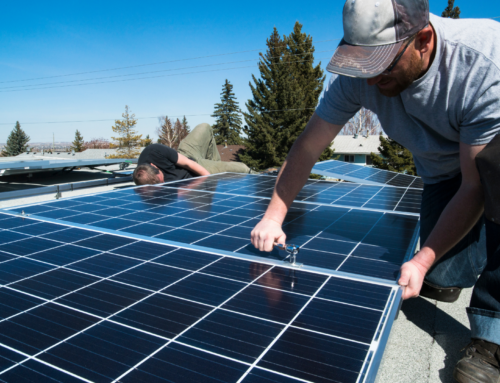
(434, 84)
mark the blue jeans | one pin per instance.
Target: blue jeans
(461, 266)
(484, 310)
(478, 253)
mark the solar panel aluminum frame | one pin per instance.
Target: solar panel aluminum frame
(376, 350)
(390, 314)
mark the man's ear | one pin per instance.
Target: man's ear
(424, 41)
(154, 166)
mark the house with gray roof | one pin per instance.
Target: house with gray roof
(356, 149)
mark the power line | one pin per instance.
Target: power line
(144, 118)
(24, 87)
(143, 78)
(149, 64)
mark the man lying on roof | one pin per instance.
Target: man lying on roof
(197, 156)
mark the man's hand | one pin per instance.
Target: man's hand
(412, 277)
(266, 233)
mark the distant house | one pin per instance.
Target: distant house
(356, 149)
(229, 153)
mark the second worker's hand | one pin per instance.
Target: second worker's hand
(266, 233)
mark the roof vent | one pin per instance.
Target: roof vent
(356, 135)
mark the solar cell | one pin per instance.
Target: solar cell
(374, 243)
(368, 175)
(161, 312)
(373, 196)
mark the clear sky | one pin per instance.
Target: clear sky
(162, 40)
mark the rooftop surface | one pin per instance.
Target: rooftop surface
(425, 339)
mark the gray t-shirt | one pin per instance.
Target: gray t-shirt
(457, 100)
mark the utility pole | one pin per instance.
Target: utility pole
(53, 142)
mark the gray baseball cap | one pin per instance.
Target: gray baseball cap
(374, 30)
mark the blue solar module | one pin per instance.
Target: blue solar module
(371, 243)
(362, 174)
(378, 197)
(113, 307)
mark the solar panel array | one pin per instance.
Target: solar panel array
(369, 243)
(363, 174)
(161, 283)
(83, 305)
(320, 192)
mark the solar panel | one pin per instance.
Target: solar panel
(98, 305)
(323, 192)
(370, 243)
(22, 167)
(367, 175)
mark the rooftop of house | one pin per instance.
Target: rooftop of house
(356, 144)
(229, 153)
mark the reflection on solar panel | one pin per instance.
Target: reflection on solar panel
(95, 306)
(355, 173)
(369, 243)
(323, 192)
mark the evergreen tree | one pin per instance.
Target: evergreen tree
(78, 143)
(284, 98)
(128, 139)
(172, 134)
(227, 127)
(395, 157)
(147, 141)
(181, 132)
(185, 125)
(450, 11)
(17, 142)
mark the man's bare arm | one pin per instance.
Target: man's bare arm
(292, 177)
(457, 219)
(192, 166)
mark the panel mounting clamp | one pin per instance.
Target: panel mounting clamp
(292, 250)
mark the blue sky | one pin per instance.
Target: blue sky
(43, 39)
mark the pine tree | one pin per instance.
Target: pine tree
(284, 98)
(395, 157)
(78, 143)
(450, 11)
(17, 142)
(147, 141)
(128, 139)
(181, 132)
(227, 127)
(185, 125)
(172, 134)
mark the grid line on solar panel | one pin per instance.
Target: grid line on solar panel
(260, 277)
(325, 192)
(240, 214)
(358, 173)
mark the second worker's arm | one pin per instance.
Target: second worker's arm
(192, 166)
(294, 173)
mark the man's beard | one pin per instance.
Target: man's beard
(406, 78)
